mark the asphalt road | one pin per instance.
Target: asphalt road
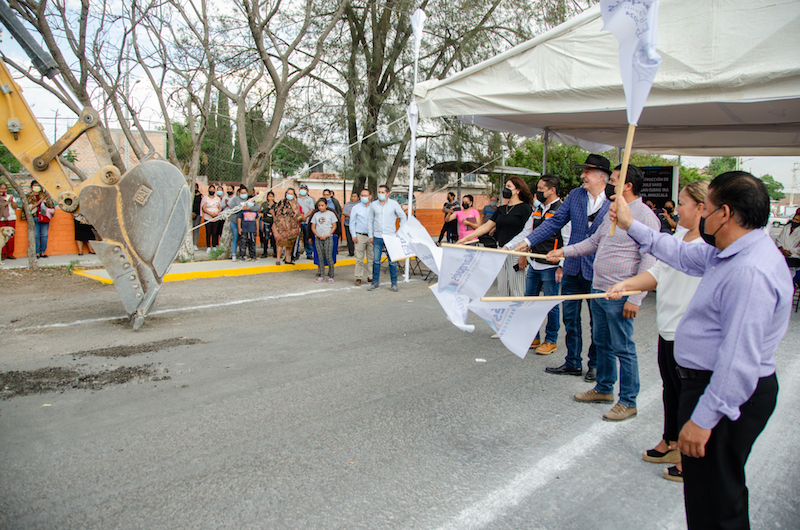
(326, 406)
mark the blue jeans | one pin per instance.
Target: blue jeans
(305, 244)
(377, 253)
(234, 237)
(613, 335)
(572, 321)
(40, 231)
(536, 281)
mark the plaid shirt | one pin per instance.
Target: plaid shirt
(617, 258)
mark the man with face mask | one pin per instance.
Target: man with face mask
(617, 258)
(584, 208)
(381, 221)
(725, 343)
(541, 274)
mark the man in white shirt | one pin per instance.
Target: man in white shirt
(789, 243)
(359, 218)
(383, 214)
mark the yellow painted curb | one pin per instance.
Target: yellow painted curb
(100, 274)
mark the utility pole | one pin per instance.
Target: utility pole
(794, 183)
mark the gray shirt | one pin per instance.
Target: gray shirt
(307, 204)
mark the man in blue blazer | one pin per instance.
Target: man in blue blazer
(585, 208)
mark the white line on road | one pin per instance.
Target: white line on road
(180, 309)
(540, 474)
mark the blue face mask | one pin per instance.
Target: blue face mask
(493, 204)
(250, 204)
(243, 196)
(303, 193)
(220, 193)
(381, 197)
(289, 196)
(364, 200)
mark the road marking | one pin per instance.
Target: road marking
(181, 309)
(540, 474)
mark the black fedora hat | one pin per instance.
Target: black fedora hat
(596, 162)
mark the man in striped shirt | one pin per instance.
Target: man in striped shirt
(617, 258)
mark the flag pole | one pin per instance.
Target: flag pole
(551, 298)
(623, 172)
(498, 250)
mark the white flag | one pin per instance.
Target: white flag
(455, 307)
(634, 23)
(421, 243)
(398, 247)
(515, 322)
(469, 272)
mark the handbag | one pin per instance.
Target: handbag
(45, 213)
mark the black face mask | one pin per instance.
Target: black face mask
(711, 239)
(610, 190)
(465, 205)
(507, 193)
(230, 193)
(540, 196)
(668, 208)
(795, 224)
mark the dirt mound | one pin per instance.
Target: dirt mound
(55, 379)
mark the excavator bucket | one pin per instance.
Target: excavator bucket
(142, 220)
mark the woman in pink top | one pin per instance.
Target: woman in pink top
(211, 206)
(468, 217)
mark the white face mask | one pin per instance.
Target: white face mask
(289, 197)
(36, 189)
(364, 200)
(381, 197)
(243, 196)
(303, 193)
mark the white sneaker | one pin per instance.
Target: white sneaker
(233, 258)
(208, 249)
(195, 248)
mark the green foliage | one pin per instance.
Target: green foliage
(71, 155)
(721, 164)
(218, 143)
(290, 155)
(8, 160)
(688, 175)
(183, 142)
(774, 188)
(561, 161)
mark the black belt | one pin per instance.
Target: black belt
(688, 373)
(361, 234)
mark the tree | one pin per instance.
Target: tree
(774, 188)
(561, 161)
(290, 155)
(720, 165)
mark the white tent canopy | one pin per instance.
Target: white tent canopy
(729, 83)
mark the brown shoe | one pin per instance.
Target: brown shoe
(593, 396)
(535, 343)
(358, 282)
(619, 412)
(546, 349)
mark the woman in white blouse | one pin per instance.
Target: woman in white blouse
(674, 292)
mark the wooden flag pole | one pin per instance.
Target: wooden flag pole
(551, 298)
(498, 250)
(623, 171)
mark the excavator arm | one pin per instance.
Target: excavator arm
(141, 215)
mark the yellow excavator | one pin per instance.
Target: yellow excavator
(142, 215)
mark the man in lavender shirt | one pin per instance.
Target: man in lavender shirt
(616, 259)
(725, 343)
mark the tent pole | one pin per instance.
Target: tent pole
(544, 151)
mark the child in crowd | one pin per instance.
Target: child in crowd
(247, 221)
(323, 224)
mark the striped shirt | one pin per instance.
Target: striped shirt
(617, 258)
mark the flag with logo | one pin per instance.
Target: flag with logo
(455, 307)
(469, 271)
(515, 322)
(634, 23)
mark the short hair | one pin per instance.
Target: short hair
(451, 194)
(243, 187)
(365, 189)
(384, 186)
(635, 176)
(552, 181)
(329, 191)
(669, 200)
(470, 197)
(745, 195)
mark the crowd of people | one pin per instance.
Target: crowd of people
(724, 291)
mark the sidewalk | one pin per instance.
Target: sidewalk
(90, 267)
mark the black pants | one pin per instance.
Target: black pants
(671, 389)
(213, 231)
(351, 247)
(247, 243)
(714, 489)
